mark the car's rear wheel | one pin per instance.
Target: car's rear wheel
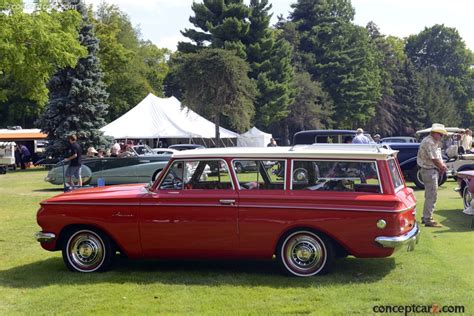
(467, 197)
(304, 253)
(87, 250)
(417, 178)
(239, 168)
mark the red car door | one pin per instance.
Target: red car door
(189, 222)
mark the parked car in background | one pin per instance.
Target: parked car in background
(330, 201)
(399, 139)
(164, 151)
(135, 168)
(464, 180)
(326, 137)
(7, 156)
(180, 147)
(407, 153)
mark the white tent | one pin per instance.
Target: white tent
(254, 138)
(156, 117)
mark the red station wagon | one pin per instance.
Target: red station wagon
(305, 205)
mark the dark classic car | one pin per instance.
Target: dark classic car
(336, 136)
(327, 202)
(140, 166)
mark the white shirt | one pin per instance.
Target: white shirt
(361, 139)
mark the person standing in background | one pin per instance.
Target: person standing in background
(360, 138)
(430, 161)
(272, 143)
(74, 156)
(377, 138)
(467, 141)
(115, 150)
(25, 156)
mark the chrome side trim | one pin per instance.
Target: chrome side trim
(92, 203)
(45, 237)
(316, 208)
(270, 207)
(411, 238)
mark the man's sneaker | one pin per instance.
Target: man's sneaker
(432, 224)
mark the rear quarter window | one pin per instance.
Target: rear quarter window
(397, 179)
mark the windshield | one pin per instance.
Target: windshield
(143, 150)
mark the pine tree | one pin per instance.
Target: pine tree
(339, 54)
(245, 29)
(77, 98)
(407, 93)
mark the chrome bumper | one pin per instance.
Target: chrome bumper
(410, 239)
(45, 237)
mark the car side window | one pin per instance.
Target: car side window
(207, 175)
(344, 176)
(260, 174)
(198, 175)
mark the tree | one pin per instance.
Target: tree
(132, 67)
(312, 107)
(32, 47)
(407, 86)
(387, 110)
(442, 48)
(438, 99)
(245, 29)
(78, 98)
(217, 85)
(340, 55)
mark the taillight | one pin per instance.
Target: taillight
(406, 220)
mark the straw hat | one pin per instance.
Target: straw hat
(439, 128)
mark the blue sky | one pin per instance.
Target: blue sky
(161, 20)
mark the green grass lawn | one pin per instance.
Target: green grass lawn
(33, 281)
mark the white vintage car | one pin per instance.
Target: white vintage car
(7, 156)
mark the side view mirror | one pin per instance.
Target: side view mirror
(148, 186)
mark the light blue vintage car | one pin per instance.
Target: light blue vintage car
(141, 166)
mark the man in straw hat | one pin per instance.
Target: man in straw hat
(430, 161)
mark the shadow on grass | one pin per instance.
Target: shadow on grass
(60, 189)
(30, 170)
(211, 273)
(455, 221)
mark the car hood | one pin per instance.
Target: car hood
(106, 194)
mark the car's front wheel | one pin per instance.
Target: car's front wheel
(304, 253)
(239, 168)
(467, 197)
(87, 250)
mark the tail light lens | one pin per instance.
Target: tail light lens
(406, 220)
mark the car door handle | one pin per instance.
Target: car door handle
(227, 202)
(120, 214)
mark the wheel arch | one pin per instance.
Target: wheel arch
(339, 248)
(70, 227)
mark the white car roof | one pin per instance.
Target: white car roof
(344, 151)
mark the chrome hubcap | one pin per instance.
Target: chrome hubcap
(304, 254)
(467, 198)
(86, 251)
